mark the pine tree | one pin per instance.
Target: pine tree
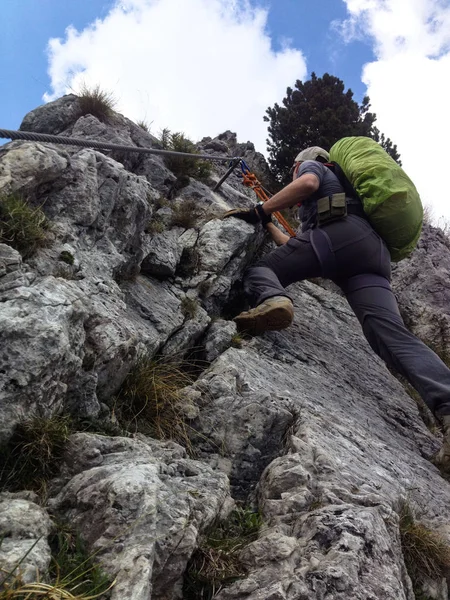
(317, 112)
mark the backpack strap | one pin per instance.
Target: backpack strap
(349, 190)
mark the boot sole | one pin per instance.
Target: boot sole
(274, 319)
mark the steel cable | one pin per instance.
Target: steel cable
(69, 141)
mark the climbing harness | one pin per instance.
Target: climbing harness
(248, 178)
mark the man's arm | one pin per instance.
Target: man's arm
(278, 236)
(294, 193)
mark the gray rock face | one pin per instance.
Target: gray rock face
(218, 338)
(423, 289)
(141, 505)
(42, 347)
(52, 118)
(306, 425)
(348, 454)
(24, 527)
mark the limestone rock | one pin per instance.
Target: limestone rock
(218, 338)
(54, 117)
(140, 506)
(24, 527)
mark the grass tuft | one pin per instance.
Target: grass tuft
(155, 226)
(97, 102)
(21, 226)
(73, 567)
(33, 453)
(182, 166)
(237, 340)
(150, 400)
(216, 563)
(73, 574)
(143, 124)
(426, 553)
(189, 307)
(185, 214)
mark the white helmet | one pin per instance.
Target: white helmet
(312, 154)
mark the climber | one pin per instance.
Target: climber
(343, 247)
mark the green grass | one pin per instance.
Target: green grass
(183, 166)
(97, 102)
(33, 454)
(72, 565)
(217, 562)
(155, 225)
(237, 340)
(73, 574)
(66, 257)
(426, 553)
(21, 226)
(149, 400)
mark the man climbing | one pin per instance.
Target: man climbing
(337, 242)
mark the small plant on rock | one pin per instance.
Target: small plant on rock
(150, 400)
(183, 166)
(73, 574)
(33, 453)
(189, 307)
(237, 340)
(217, 562)
(21, 226)
(143, 124)
(155, 226)
(97, 102)
(185, 214)
(73, 566)
(426, 553)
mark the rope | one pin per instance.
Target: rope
(56, 139)
(250, 180)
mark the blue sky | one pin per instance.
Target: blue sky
(205, 66)
(31, 23)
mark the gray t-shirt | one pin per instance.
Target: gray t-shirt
(328, 185)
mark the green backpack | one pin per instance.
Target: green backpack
(389, 197)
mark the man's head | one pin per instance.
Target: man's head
(312, 153)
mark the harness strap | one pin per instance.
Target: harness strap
(321, 244)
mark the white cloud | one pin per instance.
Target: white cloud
(408, 84)
(197, 66)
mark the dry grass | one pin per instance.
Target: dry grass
(21, 226)
(189, 307)
(143, 124)
(33, 453)
(150, 401)
(73, 575)
(426, 553)
(217, 562)
(97, 102)
(185, 214)
(39, 590)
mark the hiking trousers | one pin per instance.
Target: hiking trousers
(357, 260)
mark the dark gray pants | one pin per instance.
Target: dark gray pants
(360, 265)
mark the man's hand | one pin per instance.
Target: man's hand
(250, 215)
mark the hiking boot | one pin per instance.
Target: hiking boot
(442, 458)
(273, 314)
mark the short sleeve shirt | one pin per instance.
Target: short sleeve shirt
(328, 185)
